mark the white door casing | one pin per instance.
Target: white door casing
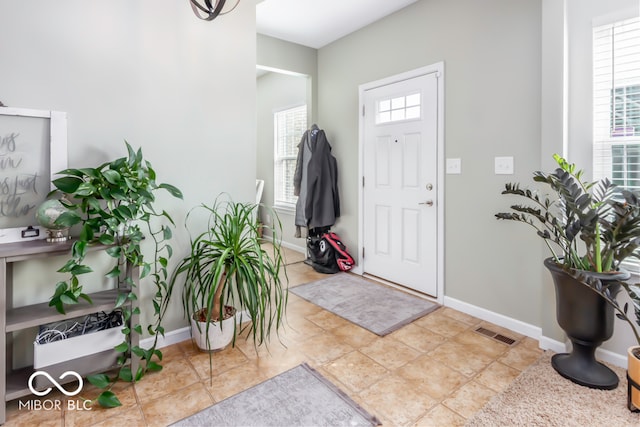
(401, 198)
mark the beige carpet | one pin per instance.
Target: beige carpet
(541, 397)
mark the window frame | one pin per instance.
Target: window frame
(280, 203)
(610, 84)
(616, 63)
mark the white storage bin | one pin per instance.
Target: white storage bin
(75, 347)
(85, 354)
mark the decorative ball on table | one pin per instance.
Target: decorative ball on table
(46, 215)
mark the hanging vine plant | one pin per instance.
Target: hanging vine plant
(113, 204)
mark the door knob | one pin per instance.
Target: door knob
(428, 203)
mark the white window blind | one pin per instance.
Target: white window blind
(616, 106)
(616, 99)
(289, 126)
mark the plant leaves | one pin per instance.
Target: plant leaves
(153, 366)
(120, 300)
(68, 298)
(172, 190)
(140, 373)
(108, 399)
(85, 297)
(125, 374)
(67, 184)
(86, 233)
(114, 251)
(122, 347)
(99, 380)
(67, 219)
(114, 272)
(106, 239)
(111, 176)
(137, 351)
(80, 269)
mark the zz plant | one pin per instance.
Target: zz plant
(595, 225)
(113, 204)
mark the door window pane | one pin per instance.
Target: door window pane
(399, 108)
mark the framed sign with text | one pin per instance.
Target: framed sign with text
(33, 147)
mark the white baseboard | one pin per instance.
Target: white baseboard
(301, 249)
(531, 331)
(603, 355)
(556, 346)
(170, 338)
(293, 247)
(611, 357)
(498, 319)
(534, 332)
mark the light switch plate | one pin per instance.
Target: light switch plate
(454, 166)
(504, 165)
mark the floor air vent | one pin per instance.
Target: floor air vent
(496, 336)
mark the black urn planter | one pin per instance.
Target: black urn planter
(588, 321)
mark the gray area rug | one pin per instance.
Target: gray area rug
(298, 397)
(377, 308)
(541, 397)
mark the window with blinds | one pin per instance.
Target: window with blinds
(289, 126)
(616, 106)
(616, 102)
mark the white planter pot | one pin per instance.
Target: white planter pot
(220, 334)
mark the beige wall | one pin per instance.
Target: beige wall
(291, 57)
(181, 88)
(513, 88)
(297, 83)
(275, 92)
(492, 56)
(553, 132)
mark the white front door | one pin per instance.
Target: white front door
(400, 182)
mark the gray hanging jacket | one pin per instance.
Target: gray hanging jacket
(316, 182)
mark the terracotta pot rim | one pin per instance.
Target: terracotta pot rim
(233, 309)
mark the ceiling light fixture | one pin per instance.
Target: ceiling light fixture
(208, 10)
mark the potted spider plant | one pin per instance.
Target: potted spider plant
(590, 228)
(229, 273)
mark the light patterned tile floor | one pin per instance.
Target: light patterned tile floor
(434, 372)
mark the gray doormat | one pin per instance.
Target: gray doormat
(375, 307)
(298, 397)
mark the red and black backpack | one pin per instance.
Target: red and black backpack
(328, 254)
